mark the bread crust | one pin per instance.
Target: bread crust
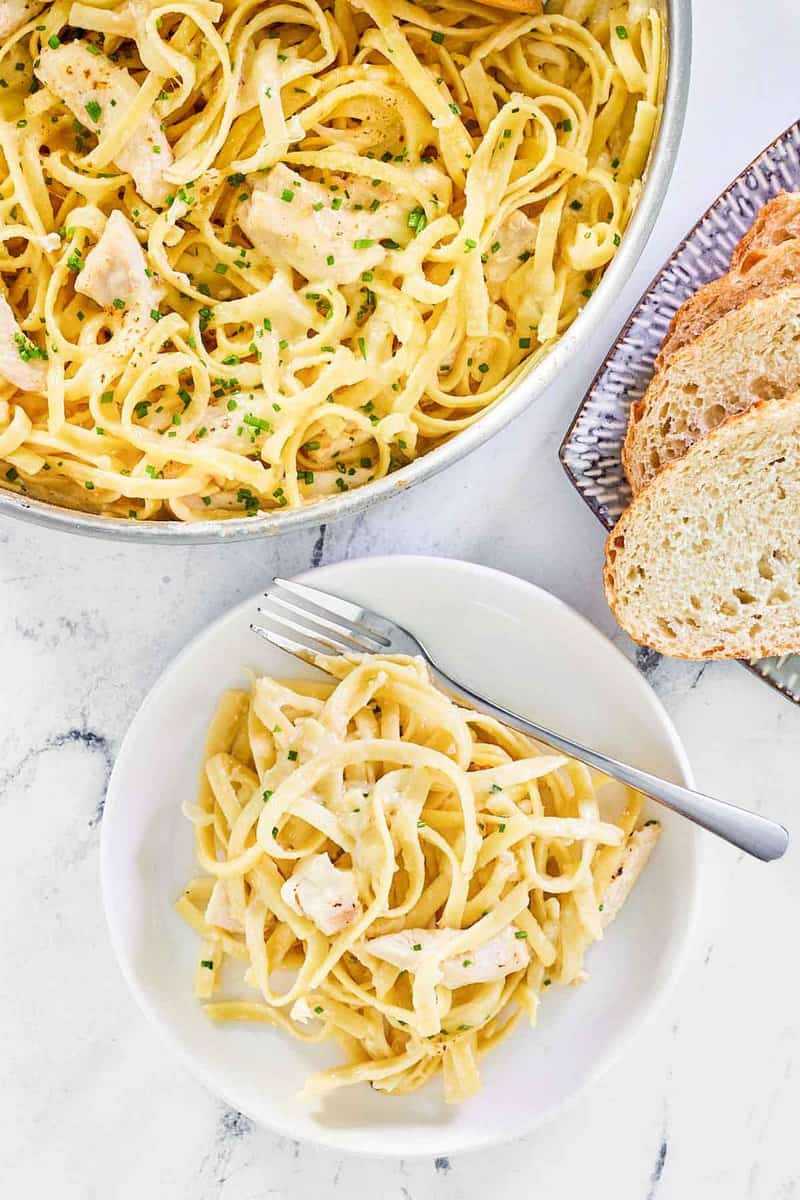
(775, 269)
(717, 345)
(727, 432)
(777, 222)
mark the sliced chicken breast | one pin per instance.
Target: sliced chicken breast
(634, 859)
(21, 362)
(322, 233)
(14, 14)
(501, 955)
(218, 910)
(325, 894)
(116, 268)
(99, 94)
(514, 236)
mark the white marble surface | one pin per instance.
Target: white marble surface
(91, 1106)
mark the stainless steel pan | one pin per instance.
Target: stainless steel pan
(528, 388)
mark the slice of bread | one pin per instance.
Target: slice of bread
(752, 353)
(772, 270)
(777, 222)
(706, 561)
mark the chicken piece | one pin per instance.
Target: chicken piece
(116, 268)
(218, 910)
(514, 236)
(99, 94)
(14, 14)
(439, 184)
(21, 363)
(323, 893)
(494, 959)
(49, 242)
(634, 858)
(303, 224)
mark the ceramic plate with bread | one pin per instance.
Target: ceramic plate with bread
(684, 442)
(705, 563)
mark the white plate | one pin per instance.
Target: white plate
(527, 650)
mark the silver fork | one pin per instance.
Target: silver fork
(308, 622)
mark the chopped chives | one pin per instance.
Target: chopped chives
(258, 423)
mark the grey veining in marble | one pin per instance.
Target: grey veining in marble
(703, 1107)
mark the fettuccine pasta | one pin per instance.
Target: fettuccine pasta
(396, 872)
(254, 253)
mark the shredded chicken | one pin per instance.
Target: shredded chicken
(634, 858)
(501, 955)
(319, 231)
(20, 362)
(14, 14)
(514, 236)
(218, 910)
(99, 94)
(325, 894)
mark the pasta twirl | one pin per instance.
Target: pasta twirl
(254, 254)
(412, 872)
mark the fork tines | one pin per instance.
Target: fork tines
(306, 621)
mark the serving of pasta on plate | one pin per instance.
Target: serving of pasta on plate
(385, 868)
(255, 254)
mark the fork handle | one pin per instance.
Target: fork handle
(756, 835)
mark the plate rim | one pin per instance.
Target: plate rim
(327, 1138)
